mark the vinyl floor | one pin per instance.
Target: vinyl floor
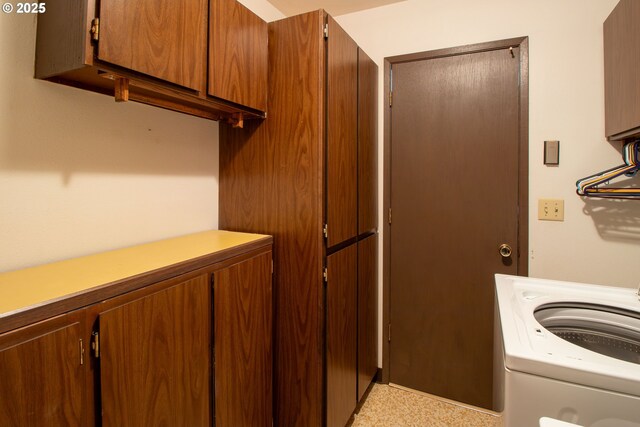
(391, 406)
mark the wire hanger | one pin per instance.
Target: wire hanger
(589, 186)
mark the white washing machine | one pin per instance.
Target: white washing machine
(566, 351)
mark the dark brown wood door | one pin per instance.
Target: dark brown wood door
(367, 143)
(367, 312)
(454, 199)
(238, 51)
(166, 39)
(42, 374)
(242, 344)
(155, 358)
(341, 335)
(342, 150)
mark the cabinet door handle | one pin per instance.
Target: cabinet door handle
(95, 344)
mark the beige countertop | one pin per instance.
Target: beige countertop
(25, 289)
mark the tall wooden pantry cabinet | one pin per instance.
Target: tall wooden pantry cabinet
(307, 175)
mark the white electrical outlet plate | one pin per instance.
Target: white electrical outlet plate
(551, 209)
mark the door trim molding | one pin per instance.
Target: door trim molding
(523, 167)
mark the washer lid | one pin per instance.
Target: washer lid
(531, 348)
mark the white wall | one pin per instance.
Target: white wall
(599, 241)
(81, 174)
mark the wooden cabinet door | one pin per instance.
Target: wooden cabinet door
(341, 335)
(621, 65)
(367, 312)
(166, 39)
(367, 143)
(155, 358)
(342, 151)
(238, 50)
(42, 374)
(242, 344)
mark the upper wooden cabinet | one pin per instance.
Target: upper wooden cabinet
(238, 54)
(367, 143)
(622, 71)
(155, 52)
(166, 39)
(342, 135)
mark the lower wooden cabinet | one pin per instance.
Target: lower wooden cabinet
(190, 351)
(351, 330)
(341, 338)
(42, 374)
(367, 312)
(155, 358)
(242, 344)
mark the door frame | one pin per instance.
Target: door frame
(523, 167)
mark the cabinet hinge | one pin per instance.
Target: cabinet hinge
(95, 344)
(325, 231)
(389, 216)
(95, 29)
(390, 98)
(81, 352)
(325, 274)
(272, 266)
(326, 31)
(389, 333)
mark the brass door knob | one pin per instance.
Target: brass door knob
(505, 250)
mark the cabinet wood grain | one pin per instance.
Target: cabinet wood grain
(155, 358)
(367, 143)
(289, 175)
(341, 335)
(242, 344)
(162, 47)
(342, 150)
(367, 312)
(42, 378)
(153, 311)
(238, 43)
(622, 70)
(271, 181)
(166, 39)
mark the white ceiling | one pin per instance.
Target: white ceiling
(334, 7)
